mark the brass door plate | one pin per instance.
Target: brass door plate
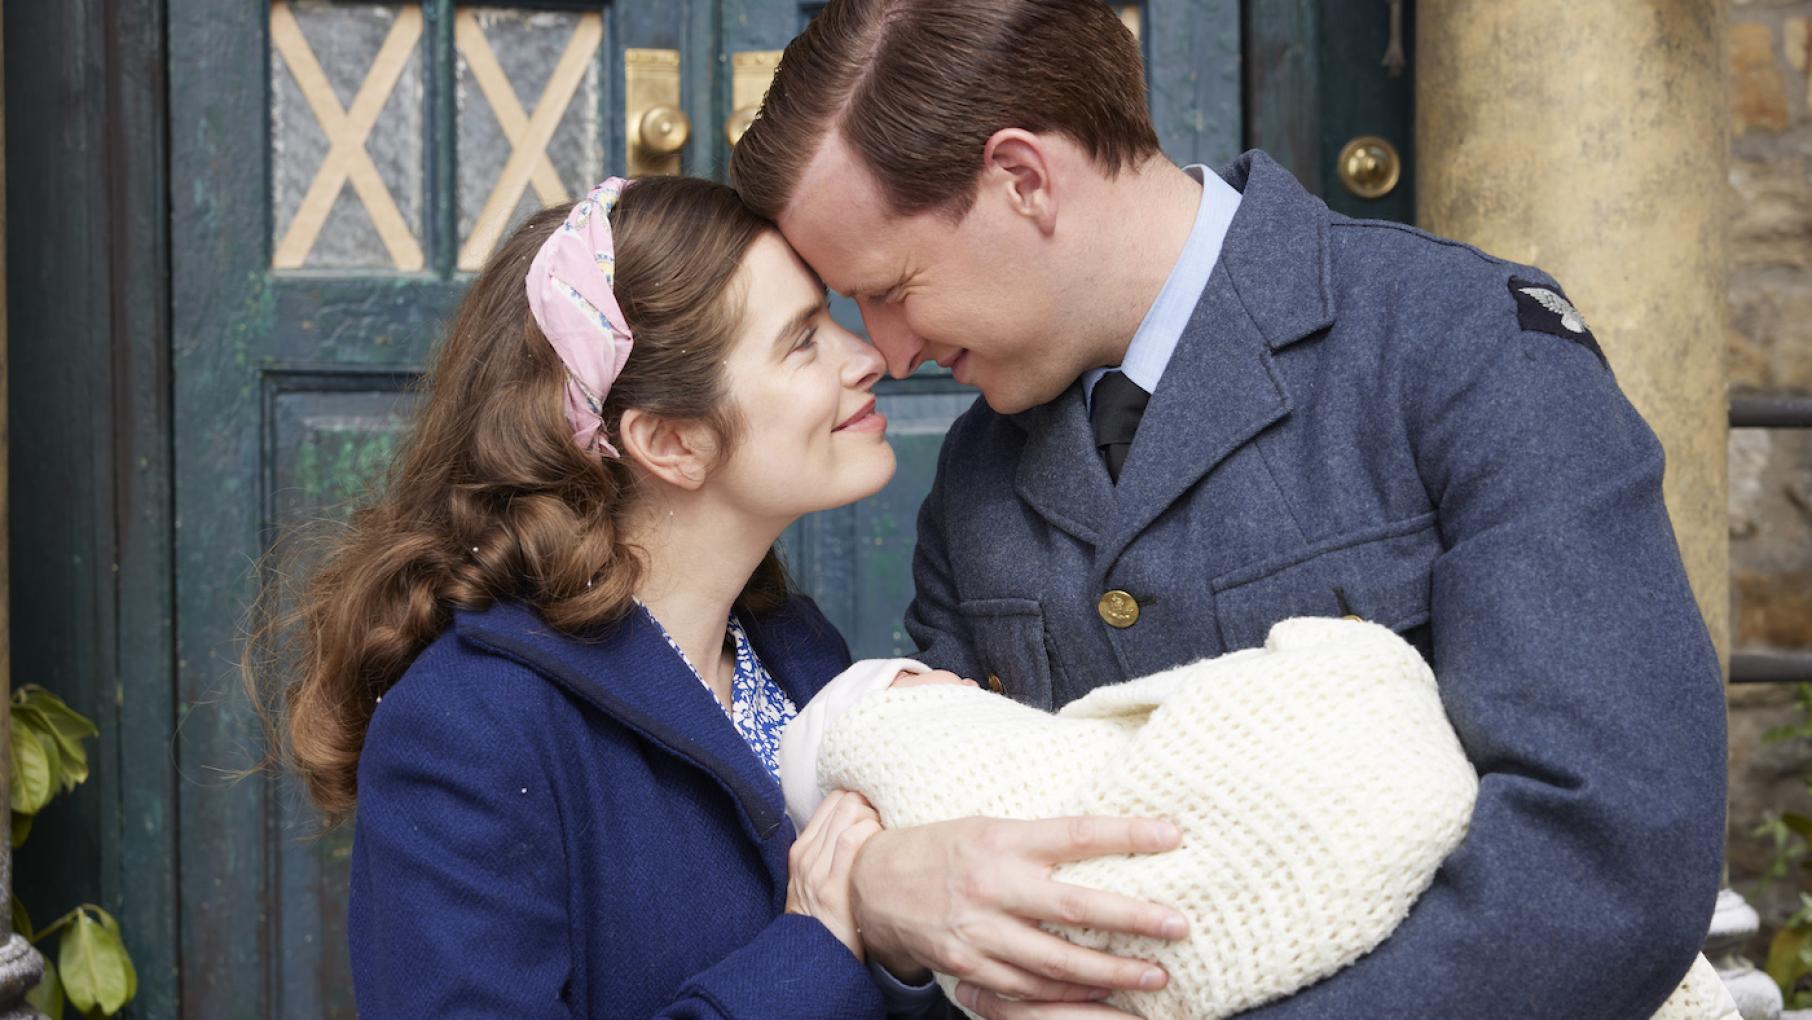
(750, 73)
(1129, 16)
(651, 78)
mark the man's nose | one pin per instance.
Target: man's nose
(887, 329)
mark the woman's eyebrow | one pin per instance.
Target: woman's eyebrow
(801, 319)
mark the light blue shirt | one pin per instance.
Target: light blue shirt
(1156, 339)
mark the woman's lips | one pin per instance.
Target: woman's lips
(864, 420)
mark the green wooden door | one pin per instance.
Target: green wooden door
(337, 170)
(334, 172)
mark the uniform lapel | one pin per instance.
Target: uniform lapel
(1269, 289)
(1060, 471)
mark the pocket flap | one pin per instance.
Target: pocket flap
(1010, 644)
(1381, 574)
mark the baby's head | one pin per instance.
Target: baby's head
(932, 678)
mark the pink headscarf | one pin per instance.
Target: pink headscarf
(570, 293)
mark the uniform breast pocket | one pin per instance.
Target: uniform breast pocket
(1380, 574)
(1010, 643)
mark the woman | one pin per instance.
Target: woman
(551, 662)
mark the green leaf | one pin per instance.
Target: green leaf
(32, 780)
(21, 828)
(71, 758)
(64, 718)
(47, 998)
(97, 973)
(22, 921)
(1784, 964)
(113, 929)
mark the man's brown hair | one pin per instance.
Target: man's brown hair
(916, 88)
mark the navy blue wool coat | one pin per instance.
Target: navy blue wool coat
(1363, 418)
(550, 827)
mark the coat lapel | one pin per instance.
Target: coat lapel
(1269, 289)
(1060, 472)
(628, 671)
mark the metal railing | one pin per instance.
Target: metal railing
(1752, 412)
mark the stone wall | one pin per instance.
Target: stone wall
(1770, 352)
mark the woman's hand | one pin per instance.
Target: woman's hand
(820, 861)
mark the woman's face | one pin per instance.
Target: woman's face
(812, 437)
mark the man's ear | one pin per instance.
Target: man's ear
(1017, 165)
(679, 453)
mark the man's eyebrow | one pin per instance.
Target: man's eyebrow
(801, 319)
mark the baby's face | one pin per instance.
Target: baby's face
(937, 677)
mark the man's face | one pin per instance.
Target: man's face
(975, 295)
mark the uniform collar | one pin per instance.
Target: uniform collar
(1156, 338)
(1269, 288)
(1276, 251)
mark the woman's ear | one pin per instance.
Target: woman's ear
(679, 453)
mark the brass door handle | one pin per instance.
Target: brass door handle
(663, 130)
(655, 129)
(738, 123)
(1369, 166)
(750, 73)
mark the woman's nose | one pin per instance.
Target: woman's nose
(862, 364)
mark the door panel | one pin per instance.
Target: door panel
(1321, 74)
(340, 169)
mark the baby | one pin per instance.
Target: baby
(1317, 782)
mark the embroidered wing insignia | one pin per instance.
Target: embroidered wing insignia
(1569, 316)
(1543, 309)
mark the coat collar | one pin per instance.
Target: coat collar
(1269, 289)
(628, 671)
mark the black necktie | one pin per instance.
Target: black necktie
(1117, 405)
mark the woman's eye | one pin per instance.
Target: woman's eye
(807, 342)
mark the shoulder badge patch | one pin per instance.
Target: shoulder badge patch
(1543, 309)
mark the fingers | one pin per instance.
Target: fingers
(849, 843)
(1073, 839)
(1027, 962)
(1077, 907)
(992, 1007)
(1014, 983)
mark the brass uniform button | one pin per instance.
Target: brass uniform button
(994, 684)
(1118, 609)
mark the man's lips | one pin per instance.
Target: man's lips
(864, 418)
(955, 365)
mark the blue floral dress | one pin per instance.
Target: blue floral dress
(759, 709)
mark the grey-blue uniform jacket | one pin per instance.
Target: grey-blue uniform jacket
(1364, 418)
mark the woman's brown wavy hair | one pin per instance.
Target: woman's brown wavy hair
(489, 498)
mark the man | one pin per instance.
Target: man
(1211, 404)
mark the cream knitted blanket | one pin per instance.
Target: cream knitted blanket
(1317, 782)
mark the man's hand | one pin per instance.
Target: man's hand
(993, 1007)
(962, 897)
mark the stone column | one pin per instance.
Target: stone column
(1591, 139)
(20, 965)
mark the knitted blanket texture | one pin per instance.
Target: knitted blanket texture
(1317, 782)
